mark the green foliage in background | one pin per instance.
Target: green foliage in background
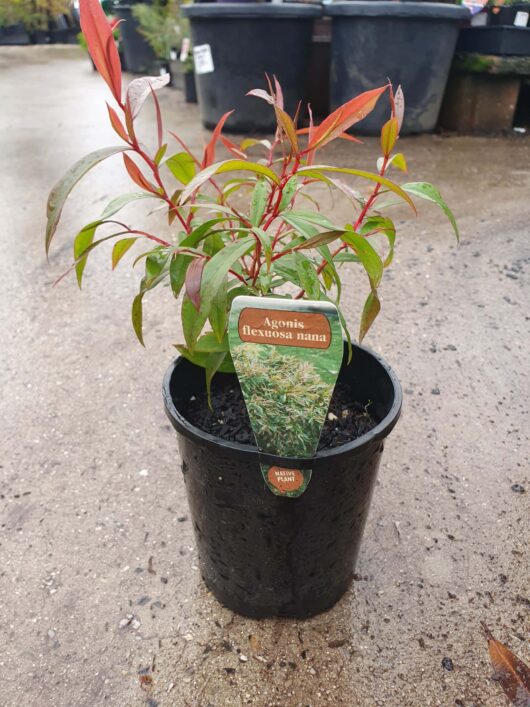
(33, 14)
(162, 25)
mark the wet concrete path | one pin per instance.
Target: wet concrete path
(99, 581)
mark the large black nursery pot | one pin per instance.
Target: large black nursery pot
(411, 43)
(14, 34)
(139, 55)
(265, 555)
(235, 44)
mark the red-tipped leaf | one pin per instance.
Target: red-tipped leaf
(137, 177)
(100, 42)
(117, 124)
(193, 281)
(209, 150)
(344, 117)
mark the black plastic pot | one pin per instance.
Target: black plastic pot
(14, 34)
(190, 87)
(266, 555)
(411, 43)
(139, 55)
(246, 41)
(500, 41)
(499, 15)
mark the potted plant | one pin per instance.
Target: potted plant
(12, 30)
(139, 55)
(507, 32)
(508, 12)
(260, 554)
(412, 43)
(232, 51)
(161, 25)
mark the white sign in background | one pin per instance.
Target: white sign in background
(202, 56)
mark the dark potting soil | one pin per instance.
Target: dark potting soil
(347, 419)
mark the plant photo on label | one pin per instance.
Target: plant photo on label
(279, 244)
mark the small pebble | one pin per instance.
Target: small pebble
(243, 658)
(447, 664)
(518, 488)
(435, 391)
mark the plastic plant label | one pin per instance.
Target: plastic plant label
(287, 355)
(185, 49)
(202, 57)
(521, 19)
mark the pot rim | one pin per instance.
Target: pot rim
(249, 10)
(356, 447)
(391, 8)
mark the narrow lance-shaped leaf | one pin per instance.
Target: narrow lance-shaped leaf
(367, 255)
(64, 186)
(136, 175)
(258, 203)
(119, 202)
(371, 309)
(120, 248)
(344, 117)
(182, 167)
(389, 135)
(82, 241)
(209, 150)
(193, 281)
(117, 124)
(215, 271)
(223, 167)
(100, 42)
(317, 171)
(139, 89)
(427, 191)
(512, 674)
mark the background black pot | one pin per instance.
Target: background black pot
(265, 555)
(14, 34)
(246, 41)
(190, 87)
(139, 56)
(505, 15)
(499, 41)
(411, 43)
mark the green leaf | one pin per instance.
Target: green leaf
(320, 239)
(368, 256)
(289, 190)
(212, 365)
(266, 244)
(119, 202)
(213, 275)
(311, 217)
(258, 204)
(136, 316)
(371, 309)
(120, 248)
(155, 264)
(189, 320)
(209, 343)
(64, 186)
(82, 242)
(223, 167)
(177, 271)
(389, 135)
(218, 316)
(427, 191)
(308, 276)
(317, 171)
(182, 167)
(160, 154)
(381, 224)
(200, 358)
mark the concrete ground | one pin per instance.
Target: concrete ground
(99, 585)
